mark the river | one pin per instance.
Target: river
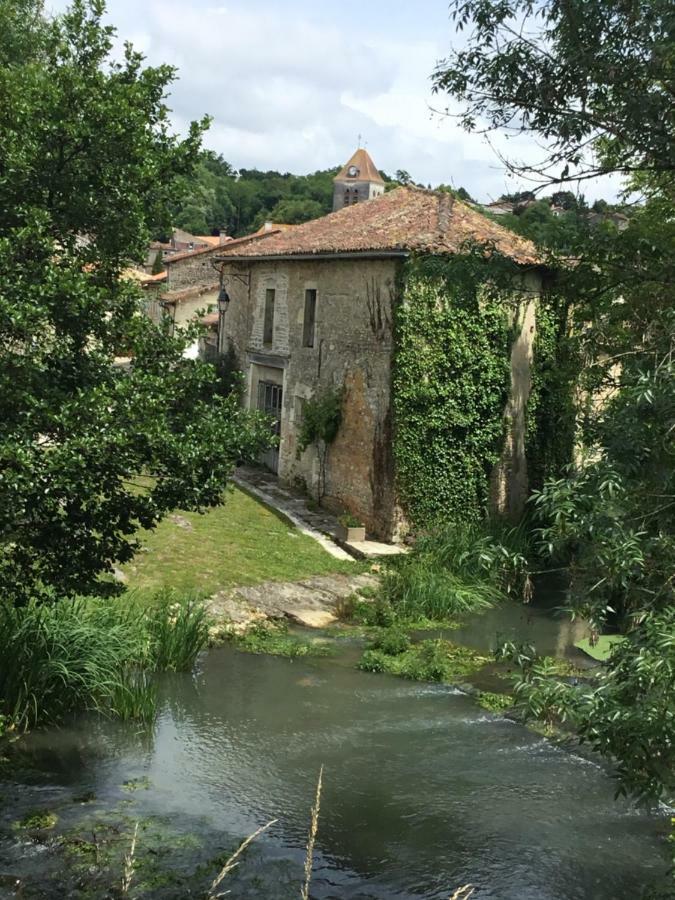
(423, 792)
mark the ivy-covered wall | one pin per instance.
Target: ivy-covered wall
(551, 410)
(450, 384)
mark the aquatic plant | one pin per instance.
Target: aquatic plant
(430, 660)
(495, 702)
(38, 820)
(63, 657)
(276, 640)
(178, 631)
(92, 654)
(392, 641)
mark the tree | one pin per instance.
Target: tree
(593, 80)
(93, 395)
(592, 77)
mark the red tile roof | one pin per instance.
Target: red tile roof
(404, 220)
(236, 242)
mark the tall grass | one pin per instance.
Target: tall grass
(92, 654)
(457, 569)
(177, 632)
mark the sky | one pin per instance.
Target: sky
(294, 85)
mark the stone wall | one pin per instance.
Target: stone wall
(352, 351)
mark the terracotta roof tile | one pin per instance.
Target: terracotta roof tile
(236, 242)
(404, 220)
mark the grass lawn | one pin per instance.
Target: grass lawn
(239, 543)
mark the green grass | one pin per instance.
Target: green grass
(237, 544)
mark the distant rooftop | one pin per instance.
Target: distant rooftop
(404, 220)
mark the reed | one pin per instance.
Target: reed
(93, 654)
(458, 569)
(234, 860)
(177, 630)
(129, 864)
(313, 828)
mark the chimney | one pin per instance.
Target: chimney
(222, 236)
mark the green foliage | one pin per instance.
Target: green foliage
(158, 264)
(551, 409)
(178, 632)
(429, 660)
(321, 418)
(457, 569)
(276, 640)
(240, 202)
(89, 169)
(39, 820)
(602, 103)
(628, 715)
(90, 653)
(569, 76)
(392, 641)
(450, 385)
(495, 702)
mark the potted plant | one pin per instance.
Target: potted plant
(351, 530)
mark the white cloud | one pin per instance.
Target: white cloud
(291, 87)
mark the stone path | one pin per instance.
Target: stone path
(312, 602)
(316, 523)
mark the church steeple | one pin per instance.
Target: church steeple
(357, 180)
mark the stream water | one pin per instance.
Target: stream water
(423, 792)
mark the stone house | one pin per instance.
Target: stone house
(313, 307)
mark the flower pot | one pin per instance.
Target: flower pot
(351, 535)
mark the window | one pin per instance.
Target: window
(310, 318)
(268, 323)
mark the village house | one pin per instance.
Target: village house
(313, 307)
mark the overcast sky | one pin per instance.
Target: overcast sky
(291, 84)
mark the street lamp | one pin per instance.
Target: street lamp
(223, 300)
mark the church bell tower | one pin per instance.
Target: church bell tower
(357, 181)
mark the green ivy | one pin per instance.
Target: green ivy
(321, 419)
(551, 408)
(450, 384)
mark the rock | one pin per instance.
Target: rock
(311, 618)
(181, 521)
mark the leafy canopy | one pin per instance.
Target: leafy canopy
(92, 393)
